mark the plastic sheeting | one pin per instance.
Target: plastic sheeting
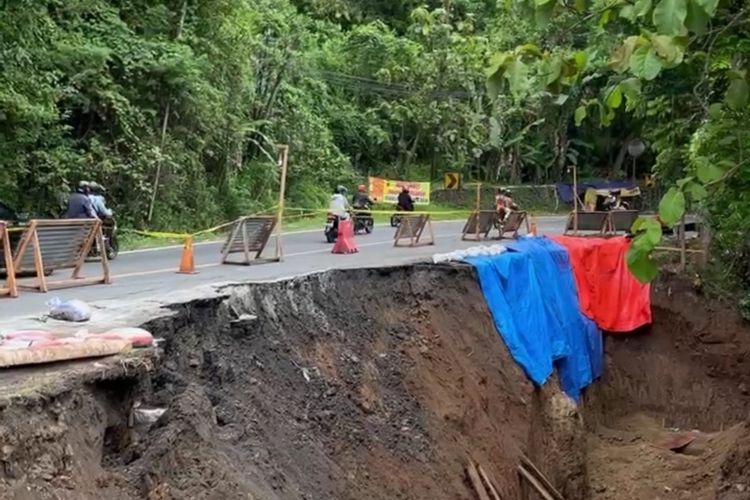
(565, 191)
(609, 293)
(531, 294)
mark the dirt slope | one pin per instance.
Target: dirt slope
(379, 384)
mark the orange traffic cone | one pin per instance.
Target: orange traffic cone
(345, 241)
(533, 229)
(187, 262)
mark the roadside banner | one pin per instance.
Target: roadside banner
(386, 190)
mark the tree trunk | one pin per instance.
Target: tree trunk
(165, 123)
(620, 160)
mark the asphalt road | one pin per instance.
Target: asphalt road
(151, 273)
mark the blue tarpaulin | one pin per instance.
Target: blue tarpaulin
(531, 293)
(565, 191)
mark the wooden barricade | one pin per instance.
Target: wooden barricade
(412, 228)
(620, 221)
(591, 222)
(249, 237)
(50, 245)
(479, 225)
(513, 223)
(10, 288)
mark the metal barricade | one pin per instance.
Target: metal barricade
(50, 245)
(249, 237)
(412, 227)
(10, 288)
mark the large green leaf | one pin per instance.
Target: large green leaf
(517, 76)
(631, 89)
(669, 49)
(737, 94)
(640, 263)
(697, 18)
(543, 13)
(554, 70)
(581, 59)
(606, 114)
(708, 172)
(669, 17)
(672, 206)
(644, 63)
(495, 83)
(580, 115)
(642, 7)
(621, 56)
(653, 232)
(614, 97)
(497, 62)
(716, 110)
(697, 191)
(628, 12)
(709, 6)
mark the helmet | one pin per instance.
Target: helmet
(405, 189)
(361, 188)
(83, 186)
(340, 189)
(98, 188)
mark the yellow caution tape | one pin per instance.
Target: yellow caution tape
(390, 212)
(158, 234)
(182, 236)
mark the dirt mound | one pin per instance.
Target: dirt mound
(383, 384)
(687, 373)
(185, 457)
(377, 384)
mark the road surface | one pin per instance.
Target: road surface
(151, 273)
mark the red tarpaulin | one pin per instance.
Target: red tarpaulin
(609, 294)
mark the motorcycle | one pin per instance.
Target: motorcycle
(396, 218)
(109, 236)
(332, 228)
(499, 222)
(363, 221)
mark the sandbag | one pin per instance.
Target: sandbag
(62, 352)
(138, 337)
(70, 310)
(29, 335)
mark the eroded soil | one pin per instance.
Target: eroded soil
(380, 384)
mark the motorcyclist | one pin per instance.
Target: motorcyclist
(339, 205)
(405, 201)
(80, 205)
(99, 202)
(504, 203)
(361, 200)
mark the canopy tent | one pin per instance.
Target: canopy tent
(565, 191)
